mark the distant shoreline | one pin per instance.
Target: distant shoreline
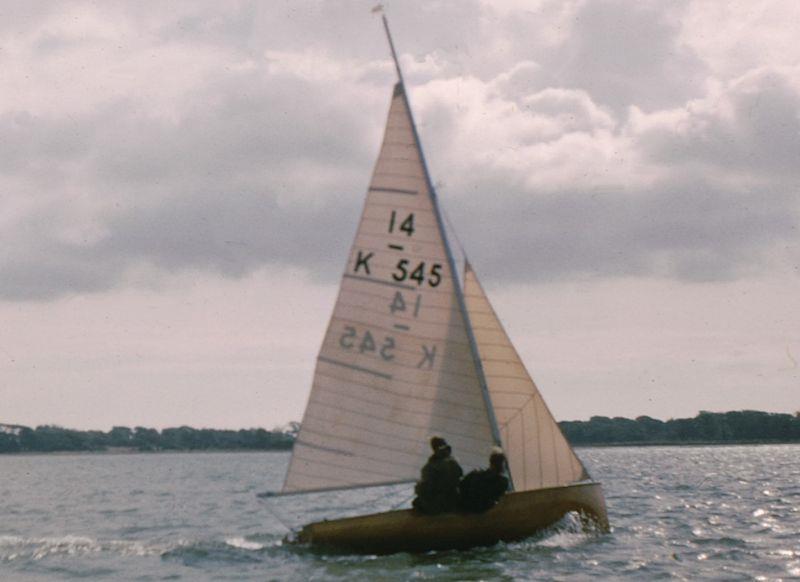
(47, 439)
(682, 444)
(123, 451)
(744, 427)
(115, 452)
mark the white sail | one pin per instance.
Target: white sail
(396, 363)
(537, 451)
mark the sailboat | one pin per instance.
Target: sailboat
(414, 348)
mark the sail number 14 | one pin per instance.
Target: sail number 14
(406, 225)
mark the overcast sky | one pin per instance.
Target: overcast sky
(180, 183)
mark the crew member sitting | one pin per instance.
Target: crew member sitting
(437, 489)
(481, 489)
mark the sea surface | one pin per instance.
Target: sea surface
(687, 513)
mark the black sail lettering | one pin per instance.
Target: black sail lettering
(362, 261)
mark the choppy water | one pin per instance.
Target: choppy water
(687, 513)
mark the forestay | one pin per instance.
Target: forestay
(396, 363)
(537, 451)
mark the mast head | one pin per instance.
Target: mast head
(379, 8)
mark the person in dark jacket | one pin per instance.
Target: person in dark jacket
(437, 489)
(480, 490)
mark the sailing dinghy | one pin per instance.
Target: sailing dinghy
(414, 348)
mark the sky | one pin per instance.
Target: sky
(180, 184)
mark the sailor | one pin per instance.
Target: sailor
(437, 489)
(481, 489)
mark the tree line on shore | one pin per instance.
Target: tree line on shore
(744, 426)
(747, 426)
(48, 439)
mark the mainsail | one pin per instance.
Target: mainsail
(396, 364)
(409, 353)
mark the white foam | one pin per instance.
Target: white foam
(244, 544)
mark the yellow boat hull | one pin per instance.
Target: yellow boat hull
(517, 516)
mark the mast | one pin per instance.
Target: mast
(459, 291)
(394, 58)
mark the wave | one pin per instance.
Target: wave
(231, 550)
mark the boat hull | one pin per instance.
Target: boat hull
(517, 516)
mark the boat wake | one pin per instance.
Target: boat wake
(245, 544)
(213, 551)
(569, 532)
(17, 549)
(234, 549)
(14, 548)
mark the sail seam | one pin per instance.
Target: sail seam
(378, 281)
(401, 366)
(456, 394)
(354, 367)
(332, 489)
(428, 256)
(393, 190)
(456, 391)
(341, 394)
(342, 466)
(387, 420)
(392, 450)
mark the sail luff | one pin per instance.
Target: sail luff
(450, 259)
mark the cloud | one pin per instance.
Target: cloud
(750, 127)
(594, 141)
(625, 54)
(551, 185)
(736, 37)
(239, 181)
(683, 229)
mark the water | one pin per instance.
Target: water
(688, 513)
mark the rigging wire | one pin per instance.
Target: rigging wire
(452, 232)
(275, 514)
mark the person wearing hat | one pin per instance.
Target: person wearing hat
(437, 489)
(480, 490)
